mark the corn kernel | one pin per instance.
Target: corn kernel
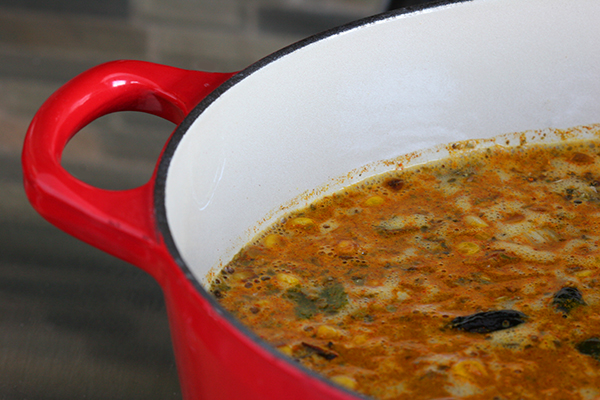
(475, 221)
(469, 370)
(240, 276)
(346, 247)
(374, 201)
(345, 381)
(328, 332)
(584, 273)
(287, 280)
(359, 339)
(468, 248)
(302, 222)
(274, 240)
(287, 350)
(483, 236)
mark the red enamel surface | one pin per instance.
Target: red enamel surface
(215, 360)
(118, 222)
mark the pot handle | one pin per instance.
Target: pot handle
(121, 223)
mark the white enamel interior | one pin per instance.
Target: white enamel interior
(468, 70)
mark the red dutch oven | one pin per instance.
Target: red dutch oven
(301, 123)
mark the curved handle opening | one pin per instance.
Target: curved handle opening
(118, 222)
(117, 151)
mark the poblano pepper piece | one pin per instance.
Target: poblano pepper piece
(489, 321)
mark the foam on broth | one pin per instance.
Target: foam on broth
(364, 285)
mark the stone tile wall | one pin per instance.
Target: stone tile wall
(44, 44)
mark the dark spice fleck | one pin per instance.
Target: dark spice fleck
(590, 347)
(395, 184)
(326, 354)
(581, 158)
(568, 298)
(489, 321)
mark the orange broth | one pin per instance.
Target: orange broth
(363, 286)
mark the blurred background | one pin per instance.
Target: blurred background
(76, 323)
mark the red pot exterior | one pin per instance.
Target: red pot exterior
(118, 222)
(215, 359)
(218, 361)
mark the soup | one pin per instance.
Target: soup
(475, 276)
